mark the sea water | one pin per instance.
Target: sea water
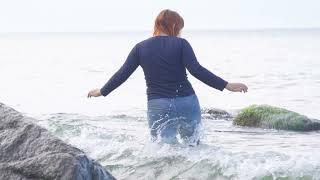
(48, 75)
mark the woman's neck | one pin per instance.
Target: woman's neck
(162, 34)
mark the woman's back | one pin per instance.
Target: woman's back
(161, 60)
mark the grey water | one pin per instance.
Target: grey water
(47, 76)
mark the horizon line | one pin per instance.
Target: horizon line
(186, 30)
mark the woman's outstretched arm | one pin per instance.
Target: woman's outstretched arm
(130, 65)
(191, 63)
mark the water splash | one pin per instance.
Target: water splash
(121, 144)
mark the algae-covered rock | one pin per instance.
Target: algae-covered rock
(269, 117)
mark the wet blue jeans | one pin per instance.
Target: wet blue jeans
(168, 117)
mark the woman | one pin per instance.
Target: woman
(173, 106)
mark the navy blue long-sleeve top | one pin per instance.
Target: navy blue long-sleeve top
(164, 60)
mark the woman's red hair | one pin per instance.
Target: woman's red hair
(168, 22)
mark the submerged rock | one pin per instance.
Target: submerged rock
(213, 113)
(269, 117)
(28, 151)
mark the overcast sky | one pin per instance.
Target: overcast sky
(105, 15)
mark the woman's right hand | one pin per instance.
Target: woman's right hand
(94, 93)
(237, 87)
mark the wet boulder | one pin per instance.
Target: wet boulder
(28, 151)
(213, 113)
(269, 117)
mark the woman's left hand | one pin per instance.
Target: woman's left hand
(237, 87)
(94, 93)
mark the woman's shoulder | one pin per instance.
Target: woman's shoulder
(156, 39)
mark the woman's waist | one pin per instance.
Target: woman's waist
(165, 93)
(167, 85)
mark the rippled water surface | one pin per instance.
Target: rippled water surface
(47, 77)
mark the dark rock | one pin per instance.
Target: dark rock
(28, 151)
(212, 113)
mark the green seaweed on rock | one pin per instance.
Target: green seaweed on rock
(270, 117)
